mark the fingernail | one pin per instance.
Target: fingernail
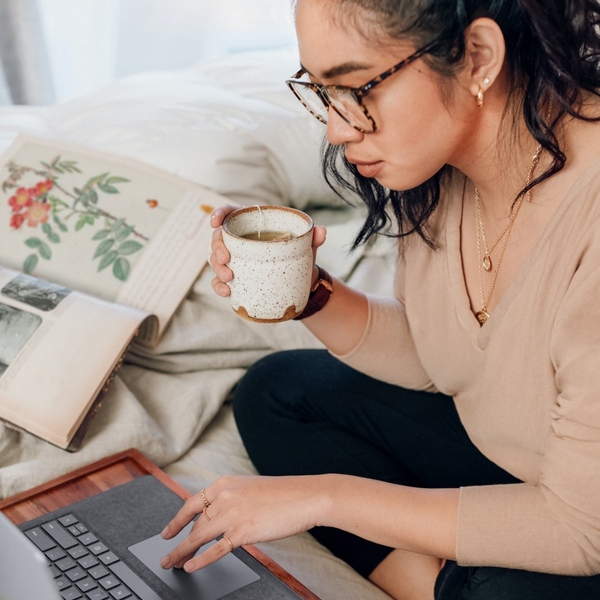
(165, 532)
(188, 567)
(164, 563)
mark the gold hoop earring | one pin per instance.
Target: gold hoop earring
(480, 97)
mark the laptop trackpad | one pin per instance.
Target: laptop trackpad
(210, 583)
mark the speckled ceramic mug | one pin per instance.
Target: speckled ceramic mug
(271, 260)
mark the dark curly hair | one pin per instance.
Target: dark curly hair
(552, 53)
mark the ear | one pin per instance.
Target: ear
(485, 53)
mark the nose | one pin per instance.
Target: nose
(339, 131)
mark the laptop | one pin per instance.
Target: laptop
(108, 547)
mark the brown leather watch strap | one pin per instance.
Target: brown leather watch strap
(319, 294)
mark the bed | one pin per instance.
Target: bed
(229, 124)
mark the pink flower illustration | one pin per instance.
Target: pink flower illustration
(17, 220)
(37, 213)
(43, 187)
(21, 199)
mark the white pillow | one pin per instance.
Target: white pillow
(230, 124)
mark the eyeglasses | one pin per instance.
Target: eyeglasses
(346, 101)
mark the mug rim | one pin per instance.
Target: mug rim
(256, 207)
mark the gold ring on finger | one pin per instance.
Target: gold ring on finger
(229, 542)
(203, 498)
(205, 513)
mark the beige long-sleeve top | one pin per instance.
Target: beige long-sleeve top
(526, 385)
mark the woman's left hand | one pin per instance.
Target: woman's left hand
(245, 510)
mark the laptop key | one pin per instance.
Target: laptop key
(87, 562)
(68, 520)
(76, 574)
(120, 592)
(60, 535)
(97, 594)
(77, 552)
(40, 539)
(63, 582)
(66, 563)
(108, 558)
(87, 538)
(55, 554)
(73, 530)
(98, 548)
(98, 572)
(82, 528)
(133, 582)
(71, 594)
(109, 582)
(87, 584)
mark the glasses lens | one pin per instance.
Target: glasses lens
(346, 104)
(311, 100)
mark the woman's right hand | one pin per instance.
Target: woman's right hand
(220, 256)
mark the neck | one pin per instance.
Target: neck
(496, 156)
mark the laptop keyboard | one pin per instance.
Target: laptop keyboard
(82, 566)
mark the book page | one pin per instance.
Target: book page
(102, 224)
(57, 348)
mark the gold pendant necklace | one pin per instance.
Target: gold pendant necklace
(485, 261)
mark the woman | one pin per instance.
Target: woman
(449, 441)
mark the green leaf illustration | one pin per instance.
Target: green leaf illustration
(103, 247)
(127, 248)
(117, 224)
(121, 269)
(80, 224)
(107, 188)
(30, 263)
(100, 235)
(117, 180)
(123, 233)
(33, 242)
(46, 228)
(107, 260)
(45, 251)
(59, 223)
(54, 237)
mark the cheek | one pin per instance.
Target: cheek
(417, 138)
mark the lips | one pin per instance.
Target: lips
(371, 169)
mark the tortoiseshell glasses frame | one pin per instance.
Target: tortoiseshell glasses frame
(346, 101)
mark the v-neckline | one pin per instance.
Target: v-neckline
(481, 334)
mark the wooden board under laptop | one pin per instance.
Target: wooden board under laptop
(104, 475)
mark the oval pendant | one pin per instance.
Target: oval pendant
(487, 263)
(482, 316)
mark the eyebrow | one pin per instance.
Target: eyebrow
(343, 69)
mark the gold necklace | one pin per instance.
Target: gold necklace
(486, 262)
(482, 316)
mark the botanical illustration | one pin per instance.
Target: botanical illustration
(46, 210)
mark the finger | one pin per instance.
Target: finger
(319, 236)
(214, 553)
(219, 251)
(222, 289)
(217, 215)
(186, 513)
(184, 551)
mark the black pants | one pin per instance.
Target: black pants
(303, 412)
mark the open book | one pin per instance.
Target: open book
(96, 252)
